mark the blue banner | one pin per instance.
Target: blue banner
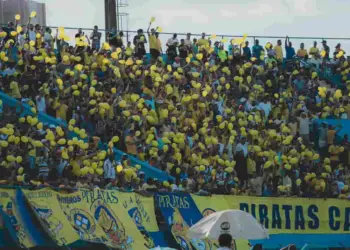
(180, 213)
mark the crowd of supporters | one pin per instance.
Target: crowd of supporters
(219, 116)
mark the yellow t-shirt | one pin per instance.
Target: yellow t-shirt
(76, 166)
(251, 166)
(152, 42)
(87, 59)
(64, 53)
(202, 42)
(313, 51)
(15, 93)
(32, 152)
(279, 52)
(129, 50)
(100, 60)
(39, 41)
(62, 112)
(330, 136)
(130, 145)
(159, 44)
(302, 52)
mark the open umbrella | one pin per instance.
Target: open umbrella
(237, 223)
(163, 248)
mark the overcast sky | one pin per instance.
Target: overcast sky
(317, 18)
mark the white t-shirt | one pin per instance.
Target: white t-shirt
(175, 188)
(9, 72)
(229, 151)
(171, 41)
(176, 65)
(243, 147)
(304, 128)
(48, 39)
(32, 35)
(41, 104)
(287, 181)
(266, 107)
(188, 43)
(21, 40)
(109, 170)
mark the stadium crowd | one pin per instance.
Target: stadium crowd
(235, 120)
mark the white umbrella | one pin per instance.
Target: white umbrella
(237, 223)
(163, 248)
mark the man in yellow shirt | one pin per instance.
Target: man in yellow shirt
(302, 52)
(314, 51)
(154, 44)
(61, 111)
(203, 41)
(15, 92)
(129, 50)
(279, 51)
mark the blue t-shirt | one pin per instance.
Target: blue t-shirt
(230, 49)
(13, 54)
(290, 52)
(247, 52)
(257, 51)
(299, 84)
(216, 50)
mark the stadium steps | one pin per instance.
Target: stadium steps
(46, 119)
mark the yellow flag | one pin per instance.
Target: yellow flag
(47, 209)
(103, 211)
(142, 213)
(78, 214)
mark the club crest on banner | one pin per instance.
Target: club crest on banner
(83, 222)
(207, 211)
(111, 224)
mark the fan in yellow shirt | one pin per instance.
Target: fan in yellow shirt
(154, 43)
(129, 50)
(15, 93)
(302, 52)
(203, 41)
(61, 111)
(279, 51)
(314, 51)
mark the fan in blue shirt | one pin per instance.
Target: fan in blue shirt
(246, 51)
(257, 49)
(290, 52)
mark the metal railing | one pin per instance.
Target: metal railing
(164, 36)
(218, 35)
